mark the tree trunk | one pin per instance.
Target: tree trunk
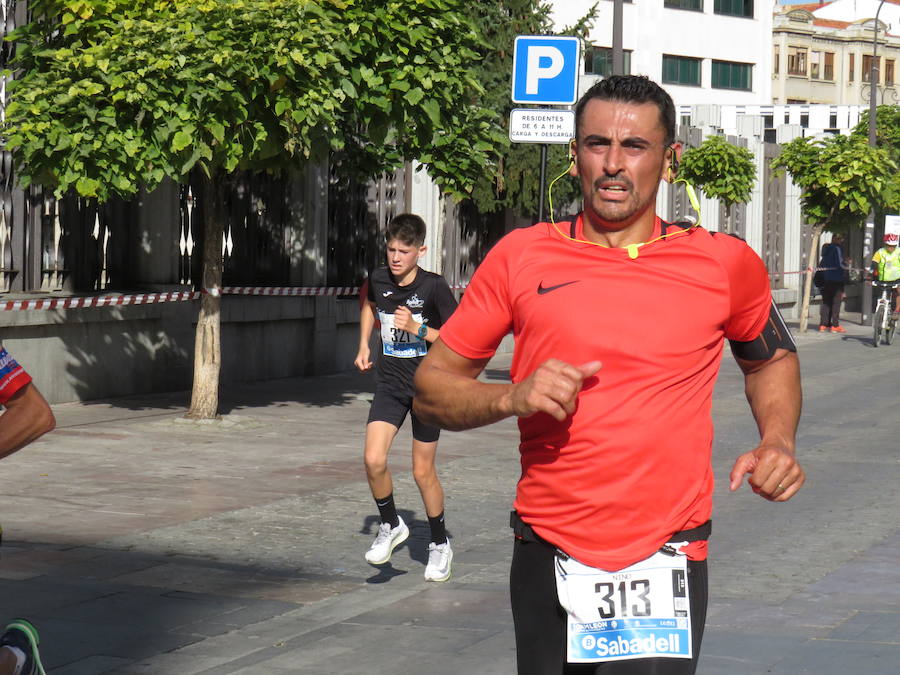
(812, 263)
(207, 348)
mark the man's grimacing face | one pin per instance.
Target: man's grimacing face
(620, 157)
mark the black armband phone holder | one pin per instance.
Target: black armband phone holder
(775, 335)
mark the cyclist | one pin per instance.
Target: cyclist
(886, 266)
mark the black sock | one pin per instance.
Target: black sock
(387, 510)
(438, 531)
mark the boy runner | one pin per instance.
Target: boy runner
(411, 304)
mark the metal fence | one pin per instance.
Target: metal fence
(358, 212)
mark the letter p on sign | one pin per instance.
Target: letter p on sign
(546, 69)
(537, 71)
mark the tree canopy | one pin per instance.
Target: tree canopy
(887, 128)
(113, 95)
(515, 183)
(110, 95)
(842, 178)
(722, 170)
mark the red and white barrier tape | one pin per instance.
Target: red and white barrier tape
(817, 269)
(295, 290)
(180, 296)
(285, 290)
(99, 301)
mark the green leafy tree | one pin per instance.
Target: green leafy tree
(842, 179)
(515, 184)
(112, 95)
(887, 136)
(887, 128)
(723, 171)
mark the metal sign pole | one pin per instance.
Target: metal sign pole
(869, 231)
(545, 73)
(618, 56)
(868, 249)
(544, 147)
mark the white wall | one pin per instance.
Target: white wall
(818, 116)
(651, 30)
(425, 200)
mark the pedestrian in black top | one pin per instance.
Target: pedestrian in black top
(835, 273)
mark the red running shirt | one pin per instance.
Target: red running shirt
(632, 466)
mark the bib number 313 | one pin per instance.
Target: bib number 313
(642, 611)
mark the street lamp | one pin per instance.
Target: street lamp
(618, 55)
(873, 78)
(869, 232)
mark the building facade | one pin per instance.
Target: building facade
(702, 51)
(818, 58)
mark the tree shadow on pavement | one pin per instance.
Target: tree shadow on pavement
(101, 609)
(319, 392)
(865, 340)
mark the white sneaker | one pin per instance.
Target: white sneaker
(386, 541)
(439, 558)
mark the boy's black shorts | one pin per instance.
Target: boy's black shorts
(391, 407)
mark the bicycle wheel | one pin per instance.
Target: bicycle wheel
(878, 324)
(889, 331)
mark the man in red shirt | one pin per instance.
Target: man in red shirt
(619, 322)
(27, 417)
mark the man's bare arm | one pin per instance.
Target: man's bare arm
(773, 390)
(449, 395)
(27, 417)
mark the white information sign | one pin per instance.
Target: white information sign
(541, 126)
(891, 223)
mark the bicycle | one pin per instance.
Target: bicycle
(882, 323)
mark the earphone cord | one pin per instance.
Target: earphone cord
(632, 248)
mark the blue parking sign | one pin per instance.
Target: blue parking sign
(546, 69)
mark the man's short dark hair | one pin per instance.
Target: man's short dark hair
(407, 228)
(631, 89)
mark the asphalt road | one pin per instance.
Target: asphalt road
(140, 542)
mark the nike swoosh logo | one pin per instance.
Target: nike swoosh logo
(541, 289)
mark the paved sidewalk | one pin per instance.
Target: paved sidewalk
(140, 542)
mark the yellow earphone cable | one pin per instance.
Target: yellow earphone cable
(631, 248)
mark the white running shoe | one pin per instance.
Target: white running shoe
(386, 541)
(439, 558)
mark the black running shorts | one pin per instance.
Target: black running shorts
(391, 407)
(540, 622)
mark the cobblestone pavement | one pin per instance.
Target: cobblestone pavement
(141, 542)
